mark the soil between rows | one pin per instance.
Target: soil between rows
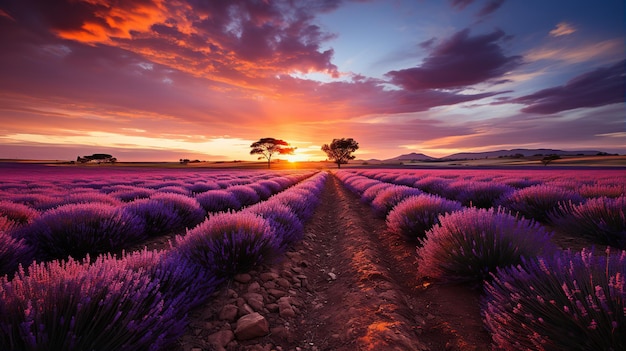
(352, 286)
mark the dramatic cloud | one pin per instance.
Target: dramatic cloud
(233, 41)
(603, 86)
(187, 78)
(561, 29)
(458, 62)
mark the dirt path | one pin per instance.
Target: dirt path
(351, 286)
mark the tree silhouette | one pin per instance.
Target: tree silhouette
(269, 146)
(340, 150)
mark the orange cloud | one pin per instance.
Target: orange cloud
(561, 29)
(109, 21)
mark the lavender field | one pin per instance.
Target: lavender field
(72, 278)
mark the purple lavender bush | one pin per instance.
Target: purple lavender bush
(300, 203)
(39, 202)
(536, 202)
(482, 194)
(359, 184)
(218, 201)
(245, 194)
(466, 246)
(272, 186)
(204, 186)
(174, 189)
(229, 243)
(602, 220)
(18, 213)
(178, 279)
(602, 190)
(263, 192)
(569, 301)
(370, 193)
(287, 227)
(79, 229)
(89, 197)
(165, 213)
(132, 193)
(81, 306)
(433, 185)
(415, 215)
(12, 251)
(388, 198)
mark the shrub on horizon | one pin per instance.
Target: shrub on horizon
(388, 198)
(218, 201)
(602, 220)
(77, 305)
(466, 246)
(415, 215)
(229, 243)
(80, 229)
(537, 201)
(569, 301)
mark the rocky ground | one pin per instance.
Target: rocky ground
(349, 285)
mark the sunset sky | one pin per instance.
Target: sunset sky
(149, 80)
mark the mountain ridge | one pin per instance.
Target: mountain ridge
(413, 156)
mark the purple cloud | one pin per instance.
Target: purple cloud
(460, 4)
(458, 62)
(603, 86)
(490, 7)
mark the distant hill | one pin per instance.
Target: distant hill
(491, 154)
(412, 157)
(524, 152)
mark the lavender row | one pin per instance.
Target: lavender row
(456, 243)
(535, 295)
(140, 301)
(94, 222)
(582, 203)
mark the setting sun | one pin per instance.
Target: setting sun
(296, 157)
